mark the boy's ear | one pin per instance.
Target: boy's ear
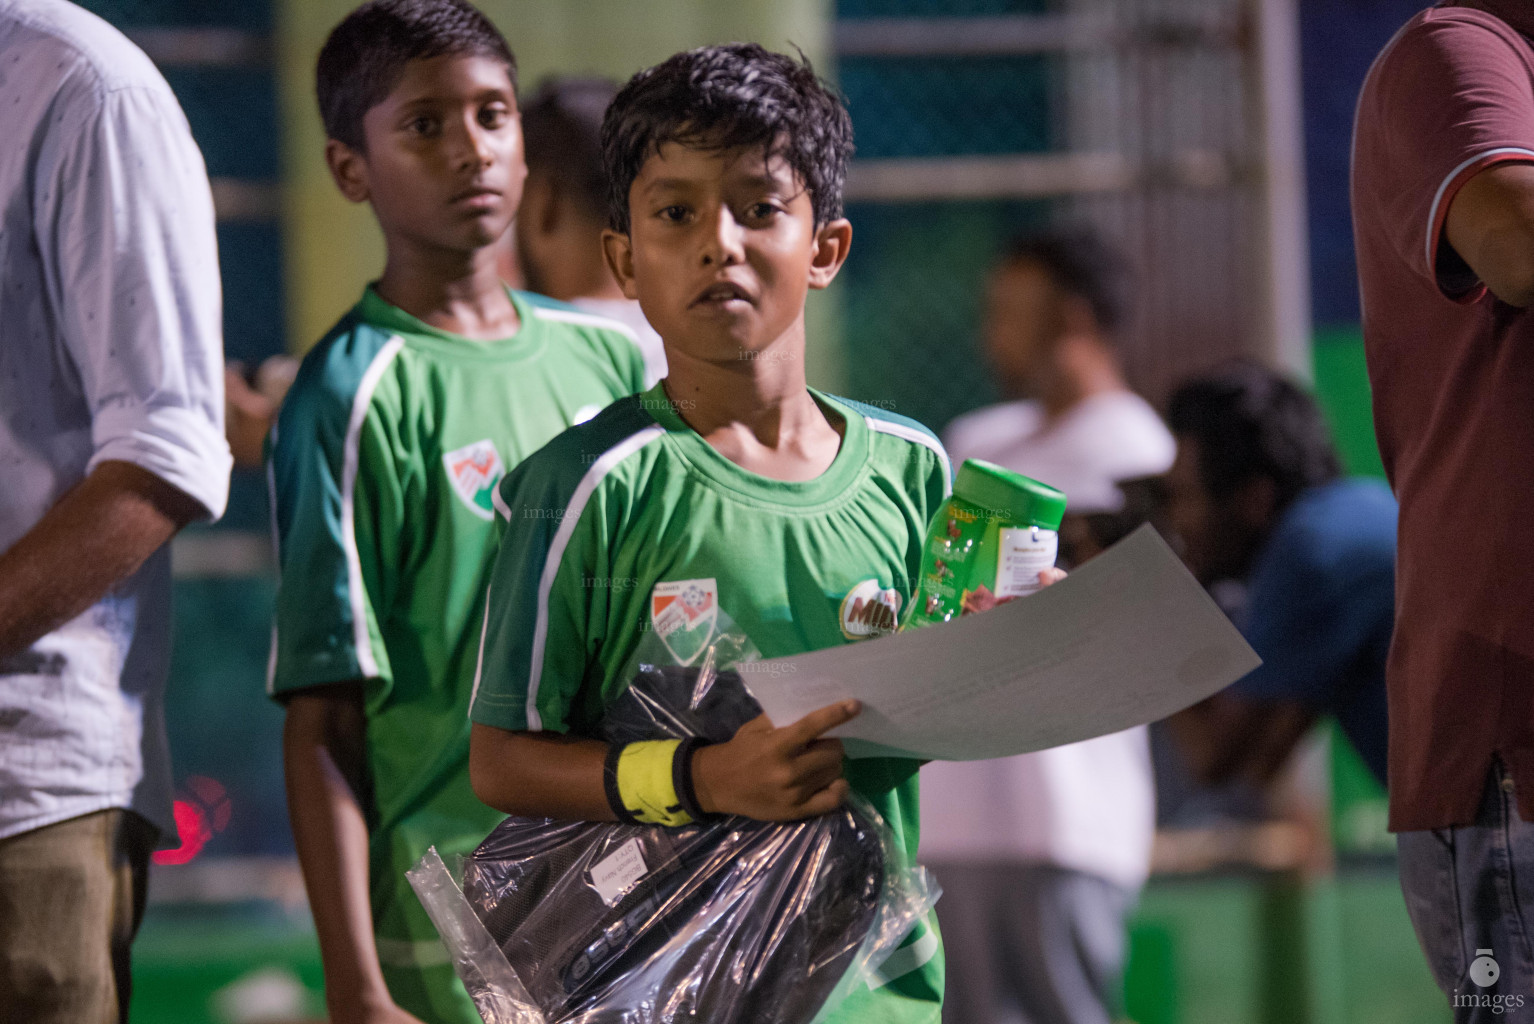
(832, 240)
(618, 250)
(349, 169)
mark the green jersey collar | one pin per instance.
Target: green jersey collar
(830, 487)
(528, 341)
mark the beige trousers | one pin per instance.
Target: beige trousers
(71, 899)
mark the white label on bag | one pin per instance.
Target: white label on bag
(1022, 554)
(614, 875)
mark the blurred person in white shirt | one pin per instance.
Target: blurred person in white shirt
(111, 440)
(1042, 856)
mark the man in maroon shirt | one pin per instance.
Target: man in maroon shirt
(1443, 211)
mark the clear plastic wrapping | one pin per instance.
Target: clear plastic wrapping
(728, 921)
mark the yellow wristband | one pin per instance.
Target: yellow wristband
(646, 783)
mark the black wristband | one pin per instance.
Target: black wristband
(681, 777)
(610, 785)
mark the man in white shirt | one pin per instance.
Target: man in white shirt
(1042, 856)
(111, 439)
(564, 208)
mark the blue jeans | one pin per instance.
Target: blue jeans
(1470, 892)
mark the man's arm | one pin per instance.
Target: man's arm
(98, 535)
(1227, 737)
(323, 753)
(1490, 224)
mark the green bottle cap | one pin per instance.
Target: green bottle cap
(1009, 495)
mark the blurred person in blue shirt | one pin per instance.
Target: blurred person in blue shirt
(1301, 558)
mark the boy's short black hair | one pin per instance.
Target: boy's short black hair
(366, 54)
(1250, 422)
(1081, 263)
(562, 135)
(724, 97)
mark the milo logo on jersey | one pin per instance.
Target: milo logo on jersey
(685, 614)
(474, 470)
(870, 610)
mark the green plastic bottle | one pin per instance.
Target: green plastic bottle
(997, 530)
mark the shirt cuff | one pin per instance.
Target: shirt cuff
(180, 446)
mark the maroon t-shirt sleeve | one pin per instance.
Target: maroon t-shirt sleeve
(1452, 95)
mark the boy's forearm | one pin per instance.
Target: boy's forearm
(324, 766)
(539, 774)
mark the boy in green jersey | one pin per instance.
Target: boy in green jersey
(386, 455)
(730, 492)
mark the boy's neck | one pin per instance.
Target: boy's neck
(460, 294)
(757, 412)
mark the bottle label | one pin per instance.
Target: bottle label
(1022, 553)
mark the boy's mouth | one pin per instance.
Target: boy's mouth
(723, 294)
(477, 195)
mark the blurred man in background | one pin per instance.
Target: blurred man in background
(1042, 856)
(1302, 560)
(111, 440)
(564, 208)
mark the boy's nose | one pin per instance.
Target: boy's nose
(723, 244)
(474, 147)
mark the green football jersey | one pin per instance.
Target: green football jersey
(384, 462)
(630, 537)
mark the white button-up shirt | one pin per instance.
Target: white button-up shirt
(110, 349)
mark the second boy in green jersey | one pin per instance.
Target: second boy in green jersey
(730, 493)
(401, 423)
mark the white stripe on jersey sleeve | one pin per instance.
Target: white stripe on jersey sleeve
(366, 663)
(271, 504)
(500, 503)
(582, 319)
(915, 436)
(572, 514)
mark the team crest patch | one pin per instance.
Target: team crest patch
(474, 470)
(685, 615)
(870, 610)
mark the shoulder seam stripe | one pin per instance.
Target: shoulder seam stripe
(271, 504)
(479, 661)
(1432, 211)
(593, 477)
(575, 316)
(915, 436)
(583, 492)
(499, 502)
(350, 457)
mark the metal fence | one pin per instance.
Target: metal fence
(1158, 122)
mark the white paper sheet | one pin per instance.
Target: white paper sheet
(1127, 639)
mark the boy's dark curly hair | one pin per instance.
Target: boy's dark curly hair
(727, 97)
(366, 55)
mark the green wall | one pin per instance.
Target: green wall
(1342, 386)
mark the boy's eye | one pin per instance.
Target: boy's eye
(494, 116)
(762, 211)
(675, 213)
(421, 125)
